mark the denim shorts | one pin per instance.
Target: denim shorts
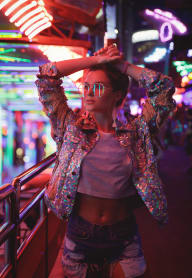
(90, 247)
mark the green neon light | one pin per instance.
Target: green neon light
(9, 96)
(3, 50)
(10, 35)
(183, 67)
(13, 59)
(19, 68)
(70, 95)
(11, 80)
(184, 72)
(17, 79)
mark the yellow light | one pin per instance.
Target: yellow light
(19, 151)
(185, 79)
(190, 76)
(7, 59)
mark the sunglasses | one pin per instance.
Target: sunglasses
(97, 89)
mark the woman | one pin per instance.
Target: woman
(103, 159)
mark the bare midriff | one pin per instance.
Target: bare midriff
(102, 211)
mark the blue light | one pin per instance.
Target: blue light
(157, 55)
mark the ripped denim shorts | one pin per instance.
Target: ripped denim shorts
(90, 247)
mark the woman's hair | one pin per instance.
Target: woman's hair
(119, 81)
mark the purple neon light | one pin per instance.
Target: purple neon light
(167, 17)
(163, 36)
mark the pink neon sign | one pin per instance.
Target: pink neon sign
(166, 32)
(170, 22)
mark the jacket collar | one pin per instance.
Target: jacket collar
(87, 123)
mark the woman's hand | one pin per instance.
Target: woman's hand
(109, 54)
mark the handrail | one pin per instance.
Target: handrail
(10, 194)
(6, 190)
(31, 203)
(34, 170)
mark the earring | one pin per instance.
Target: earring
(114, 116)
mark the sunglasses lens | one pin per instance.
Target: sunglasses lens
(84, 89)
(98, 89)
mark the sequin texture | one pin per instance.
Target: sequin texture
(76, 135)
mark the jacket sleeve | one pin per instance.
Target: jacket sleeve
(145, 173)
(159, 103)
(53, 99)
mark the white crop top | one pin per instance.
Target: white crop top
(106, 170)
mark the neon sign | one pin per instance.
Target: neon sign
(183, 67)
(31, 17)
(146, 35)
(170, 23)
(166, 32)
(157, 55)
(189, 53)
(11, 58)
(10, 34)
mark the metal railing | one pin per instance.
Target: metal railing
(14, 215)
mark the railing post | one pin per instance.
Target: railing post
(46, 242)
(13, 216)
(15, 207)
(12, 241)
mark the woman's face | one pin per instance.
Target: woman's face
(98, 92)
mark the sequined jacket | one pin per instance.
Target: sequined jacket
(76, 134)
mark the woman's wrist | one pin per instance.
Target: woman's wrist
(125, 67)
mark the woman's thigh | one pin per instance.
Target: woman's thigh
(131, 263)
(82, 257)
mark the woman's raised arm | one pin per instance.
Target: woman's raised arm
(159, 88)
